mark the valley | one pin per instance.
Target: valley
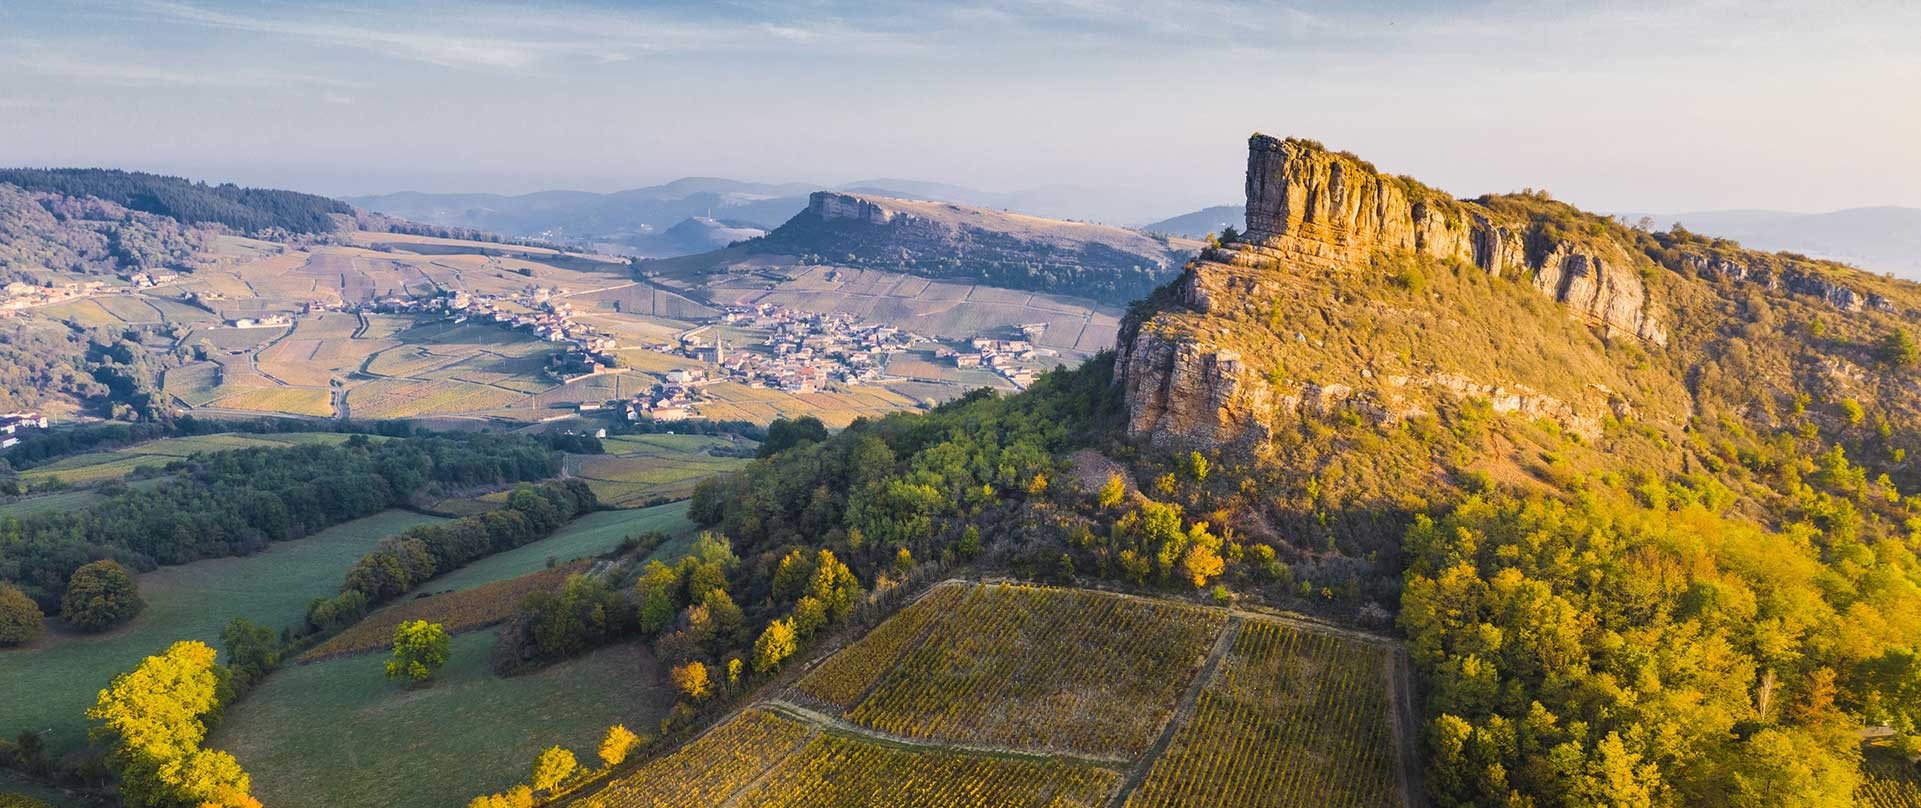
(1389, 499)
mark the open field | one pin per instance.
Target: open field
(468, 732)
(731, 401)
(52, 683)
(59, 501)
(641, 468)
(1010, 695)
(291, 400)
(589, 535)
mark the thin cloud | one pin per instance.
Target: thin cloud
(30, 58)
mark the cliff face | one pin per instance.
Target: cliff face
(1308, 205)
(1312, 211)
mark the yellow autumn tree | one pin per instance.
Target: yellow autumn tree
(152, 716)
(619, 743)
(553, 767)
(692, 680)
(775, 645)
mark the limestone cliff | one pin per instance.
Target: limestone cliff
(1218, 356)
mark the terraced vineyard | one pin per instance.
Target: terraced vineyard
(834, 770)
(991, 695)
(1065, 670)
(1890, 781)
(843, 677)
(1291, 718)
(707, 770)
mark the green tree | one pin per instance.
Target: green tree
(420, 648)
(619, 742)
(99, 596)
(552, 768)
(783, 434)
(775, 645)
(658, 591)
(252, 649)
(20, 618)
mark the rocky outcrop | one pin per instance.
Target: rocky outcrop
(830, 206)
(1306, 204)
(1309, 209)
(1774, 273)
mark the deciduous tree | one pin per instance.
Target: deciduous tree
(420, 648)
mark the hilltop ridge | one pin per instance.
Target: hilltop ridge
(1315, 213)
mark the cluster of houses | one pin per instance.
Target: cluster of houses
(676, 399)
(16, 296)
(806, 351)
(544, 314)
(1007, 357)
(13, 423)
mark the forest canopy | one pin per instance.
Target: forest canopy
(248, 210)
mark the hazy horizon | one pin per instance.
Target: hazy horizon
(1656, 106)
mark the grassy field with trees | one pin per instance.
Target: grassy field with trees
(52, 682)
(468, 729)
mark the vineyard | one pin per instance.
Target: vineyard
(1291, 718)
(706, 771)
(843, 677)
(459, 611)
(990, 695)
(403, 398)
(1889, 782)
(832, 770)
(1045, 669)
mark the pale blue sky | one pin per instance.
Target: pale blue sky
(1643, 106)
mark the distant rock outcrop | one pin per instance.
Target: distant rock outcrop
(946, 240)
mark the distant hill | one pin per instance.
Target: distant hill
(946, 240)
(631, 221)
(249, 210)
(1200, 223)
(1880, 239)
(694, 234)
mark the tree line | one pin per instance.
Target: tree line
(248, 210)
(237, 502)
(400, 563)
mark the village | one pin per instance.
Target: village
(805, 352)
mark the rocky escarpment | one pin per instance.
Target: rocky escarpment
(1189, 380)
(1307, 204)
